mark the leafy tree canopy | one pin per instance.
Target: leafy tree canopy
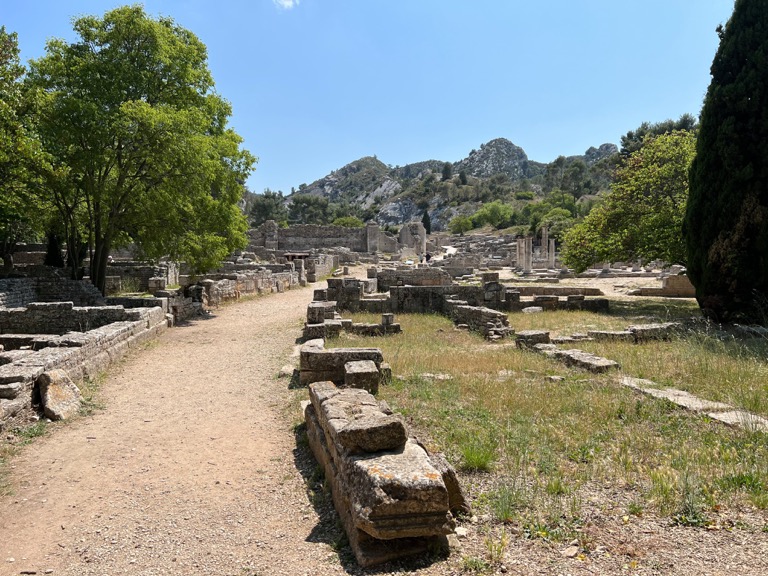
(348, 222)
(22, 215)
(139, 140)
(633, 140)
(460, 224)
(308, 209)
(642, 215)
(268, 206)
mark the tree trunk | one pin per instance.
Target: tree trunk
(99, 263)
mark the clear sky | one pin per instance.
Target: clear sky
(316, 84)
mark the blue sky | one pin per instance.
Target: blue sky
(315, 84)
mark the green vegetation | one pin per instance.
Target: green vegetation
(349, 222)
(22, 217)
(138, 143)
(532, 448)
(725, 224)
(641, 217)
(267, 206)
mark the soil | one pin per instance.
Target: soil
(194, 465)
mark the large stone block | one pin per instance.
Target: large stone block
(398, 494)
(362, 374)
(354, 421)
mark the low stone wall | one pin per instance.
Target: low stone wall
(316, 364)
(490, 323)
(60, 317)
(80, 354)
(392, 498)
(678, 286)
(537, 290)
(141, 272)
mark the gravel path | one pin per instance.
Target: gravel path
(189, 469)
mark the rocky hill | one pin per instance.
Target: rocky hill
(373, 190)
(499, 156)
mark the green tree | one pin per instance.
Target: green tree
(496, 213)
(348, 222)
(463, 178)
(268, 206)
(427, 222)
(726, 223)
(642, 215)
(308, 209)
(139, 140)
(632, 141)
(447, 171)
(460, 224)
(22, 215)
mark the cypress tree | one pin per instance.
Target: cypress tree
(726, 222)
(427, 221)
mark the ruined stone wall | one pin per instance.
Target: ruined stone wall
(18, 292)
(142, 272)
(477, 318)
(412, 277)
(320, 266)
(387, 244)
(308, 236)
(59, 318)
(81, 354)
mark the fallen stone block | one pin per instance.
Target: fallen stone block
(362, 374)
(741, 419)
(532, 310)
(527, 338)
(611, 335)
(368, 551)
(659, 331)
(585, 360)
(353, 420)
(393, 502)
(60, 396)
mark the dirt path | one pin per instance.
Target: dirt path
(189, 469)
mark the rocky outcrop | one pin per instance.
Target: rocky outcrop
(499, 156)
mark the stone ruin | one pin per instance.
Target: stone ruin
(394, 498)
(482, 306)
(53, 328)
(540, 341)
(269, 242)
(46, 337)
(323, 321)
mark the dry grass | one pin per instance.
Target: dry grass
(549, 443)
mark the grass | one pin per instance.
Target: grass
(531, 448)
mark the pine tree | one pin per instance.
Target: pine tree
(726, 222)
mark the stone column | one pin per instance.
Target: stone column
(372, 231)
(551, 254)
(528, 255)
(520, 252)
(545, 243)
